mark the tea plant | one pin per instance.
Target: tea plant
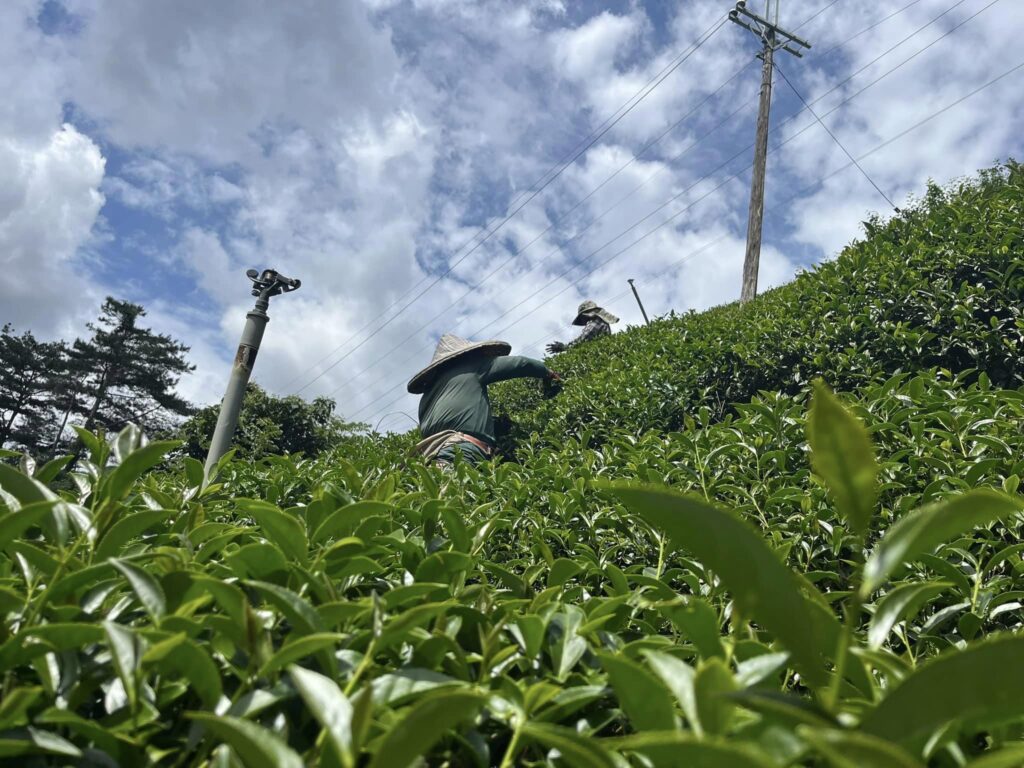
(772, 575)
(938, 286)
(379, 616)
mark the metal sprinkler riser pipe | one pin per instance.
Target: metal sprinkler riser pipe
(265, 284)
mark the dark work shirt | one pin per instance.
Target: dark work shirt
(595, 328)
(457, 397)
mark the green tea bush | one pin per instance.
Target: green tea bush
(770, 576)
(939, 286)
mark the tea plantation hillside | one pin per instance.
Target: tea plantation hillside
(701, 557)
(938, 286)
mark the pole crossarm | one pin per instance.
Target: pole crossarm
(770, 33)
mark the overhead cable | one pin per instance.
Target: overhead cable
(579, 232)
(910, 129)
(548, 179)
(836, 139)
(783, 124)
(853, 162)
(788, 120)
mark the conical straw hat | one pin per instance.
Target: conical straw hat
(449, 348)
(589, 309)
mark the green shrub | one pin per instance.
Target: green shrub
(939, 286)
(771, 575)
(496, 615)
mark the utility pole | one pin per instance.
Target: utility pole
(773, 38)
(642, 310)
(264, 285)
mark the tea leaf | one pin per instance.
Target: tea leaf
(281, 528)
(841, 452)
(762, 586)
(898, 604)
(681, 750)
(256, 747)
(923, 530)
(145, 587)
(845, 749)
(579, 750)
(126, 650)
(121, 480)
(678, 677)
(426, 722)
(979, 684)
(644, 699)
(329, 706)
(712, 685)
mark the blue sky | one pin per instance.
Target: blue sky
(154, 151)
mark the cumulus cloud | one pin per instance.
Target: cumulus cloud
(48, 207)
(593, 48)
(367, 147)
(215, 78)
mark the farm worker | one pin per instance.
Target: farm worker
(455, 412)
(596, 322)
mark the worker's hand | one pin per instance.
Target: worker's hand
(556, 346)
(552, 385)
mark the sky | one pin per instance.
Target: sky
(407, 160)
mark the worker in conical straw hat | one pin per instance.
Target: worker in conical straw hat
(596, 322)
(455, 412)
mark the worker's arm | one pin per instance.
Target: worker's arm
(514, 367)
(591, 331)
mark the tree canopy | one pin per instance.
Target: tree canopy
(123, 373)
(271, 425)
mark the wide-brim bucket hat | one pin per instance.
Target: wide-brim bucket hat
(588, 310)
(449, 348)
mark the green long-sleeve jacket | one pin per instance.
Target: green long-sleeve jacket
(457, 397)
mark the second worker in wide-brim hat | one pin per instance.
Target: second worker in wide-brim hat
(451, 348)
(589, 310)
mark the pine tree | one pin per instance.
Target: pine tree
(30, 370)
(127, 373)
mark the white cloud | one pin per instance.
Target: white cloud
(360, 147)
(969, 137)
(49, 205)
(52, 172)
(211, 78)
(592, 49)
(31, 74)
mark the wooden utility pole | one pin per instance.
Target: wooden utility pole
(773, 38)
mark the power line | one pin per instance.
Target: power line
(836, 139)
(583, 229)
(862, 157)
(854, 36)
(618, 253)
(853, 162)
(708, 34)
(785, 122)
(774, 129)
(540, 341)
(867, 29)
(626, 105)
(812, 17)
(734, 176)
(593, 221)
